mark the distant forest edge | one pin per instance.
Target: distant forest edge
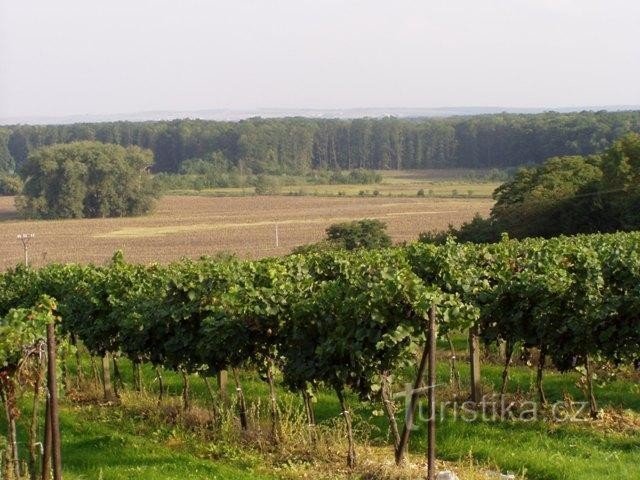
(297, 145)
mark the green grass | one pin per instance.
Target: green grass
(542, 450)
(434, 183)
(108, 443)
(111, 442)
(111, 447)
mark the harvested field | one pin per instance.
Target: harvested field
(191, 226)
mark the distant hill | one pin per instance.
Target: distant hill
(348, 113)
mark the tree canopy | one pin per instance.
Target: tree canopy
(566, 195)
(86, 179)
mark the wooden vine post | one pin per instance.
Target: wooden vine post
(401, 450)
(351, 455)
(33, 427)
(222, 385)
(593, 406)
(389, 408)
(474, 354)
(455, 373)
(54, 416)
(242, 405)
(431, 395)
(46, 448)
(106, 378)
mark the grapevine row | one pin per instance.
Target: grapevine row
(344, 320)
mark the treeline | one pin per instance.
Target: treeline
(297, 145)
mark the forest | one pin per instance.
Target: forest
(297, 145)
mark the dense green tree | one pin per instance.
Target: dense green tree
(565, 195)
(554, 198)
(86, 179)
(620, 190)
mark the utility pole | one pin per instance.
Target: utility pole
(277, 237)
(25, 238)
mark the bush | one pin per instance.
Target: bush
(359, 234)
(267, 185)
(435, 237)
(87, 179)
(322, 246)
(420, 192)
(364, 177)
(10, 185)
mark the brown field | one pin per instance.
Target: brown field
(191, 226)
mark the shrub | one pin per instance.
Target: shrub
(266, 185)
(359, 234)
(10, 185)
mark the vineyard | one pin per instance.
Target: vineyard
(350, 323)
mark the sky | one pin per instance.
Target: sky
(67, 57)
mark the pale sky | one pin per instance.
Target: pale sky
(63, 57)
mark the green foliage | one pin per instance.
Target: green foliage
(361, 320)
(318, 247)
(621, 184)
(359, 234)
(566, 195)
(212, 171)
(343, 318)
(297, 145)
(10, 185)
(22, 328)
(358, 176)
(549, 200)
(266, 185)
(86, 179)
(7, 163)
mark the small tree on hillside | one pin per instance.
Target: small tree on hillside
(86, 179)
